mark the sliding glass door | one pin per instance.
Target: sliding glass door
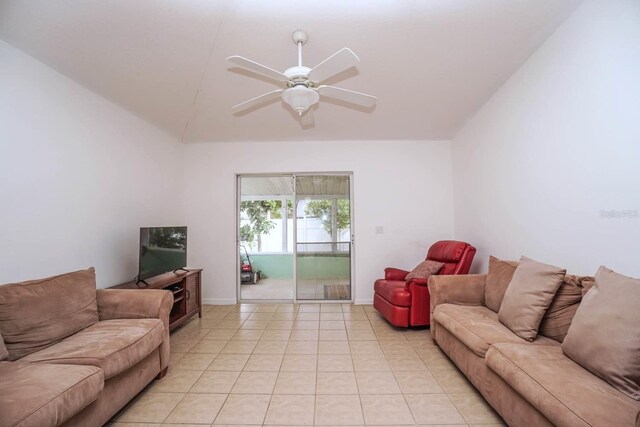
(323, 237)
(294, 237)
(265, 237)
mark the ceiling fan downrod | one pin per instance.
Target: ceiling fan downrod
(300, 39)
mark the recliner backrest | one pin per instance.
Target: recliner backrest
(456, 256)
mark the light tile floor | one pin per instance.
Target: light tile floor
(310, 364)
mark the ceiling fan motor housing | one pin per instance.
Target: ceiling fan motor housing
(298, 75)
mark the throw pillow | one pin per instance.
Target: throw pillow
(498, 278)
(528, 297)
(604, 336)
(557, 319)
(39, 313)
(424, 270)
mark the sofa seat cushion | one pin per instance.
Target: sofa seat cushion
(393, 291)
(478, 327)
(566, 393)
(113, 345)
(42, 395)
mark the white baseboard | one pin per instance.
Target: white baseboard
(219, 301)
(363, 301)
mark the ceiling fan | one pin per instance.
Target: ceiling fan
(302, 87)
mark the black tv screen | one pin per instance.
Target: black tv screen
(162, 249)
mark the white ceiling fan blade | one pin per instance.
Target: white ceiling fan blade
(258, 100)
(257, 68)
(307, 119)
(348, 95)
(335, 64)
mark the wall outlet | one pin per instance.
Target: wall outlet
(379, 229)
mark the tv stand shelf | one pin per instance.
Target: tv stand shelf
(187, 293)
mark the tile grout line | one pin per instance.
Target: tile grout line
(355, 374)
(231, 389)
(315, 398)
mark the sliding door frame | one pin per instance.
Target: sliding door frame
(293, 175)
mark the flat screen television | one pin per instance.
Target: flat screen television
(162, 249)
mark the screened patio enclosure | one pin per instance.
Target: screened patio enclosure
(296, 231)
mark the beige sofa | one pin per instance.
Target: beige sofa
(527, 383)
(49, 377)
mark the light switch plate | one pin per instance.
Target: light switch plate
(379, 229)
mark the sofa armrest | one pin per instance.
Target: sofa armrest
(135, 304)
(391, 273)
(139, 304)
(465, 289)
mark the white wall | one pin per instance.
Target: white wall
(555, 146)
(405, 186)
(78, 177)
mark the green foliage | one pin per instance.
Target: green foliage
(247, 235)
(322, 210)
(260, 213)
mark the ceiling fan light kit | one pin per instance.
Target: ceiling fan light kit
(301, 84)
(300, 98)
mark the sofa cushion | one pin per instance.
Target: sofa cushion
(38, 395)
(39, 313)
(4, 354)
(424, 270)
(562, 390)
(557, 319)
(113, 345)
(604, 336)
(558, 316)
(393, 291)
(528, 296)
(498, 278)
(478, 327)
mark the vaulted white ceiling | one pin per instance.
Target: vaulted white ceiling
(431, 63)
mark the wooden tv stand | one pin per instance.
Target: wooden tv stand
(187, 293)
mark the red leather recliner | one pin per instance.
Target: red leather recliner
(406, 304)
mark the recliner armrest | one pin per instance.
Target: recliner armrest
(391, 273)
(135, 304)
